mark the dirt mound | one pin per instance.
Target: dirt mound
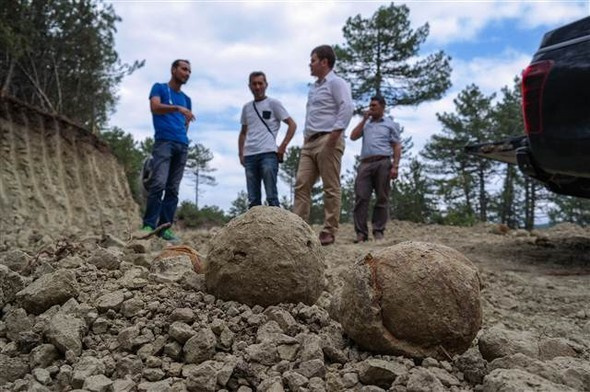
(56, 178)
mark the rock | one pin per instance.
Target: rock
(43, 355)
(473, 366)
(180, 332)
(313, 368)
(129, 366)
(109, 259)
(294, 380)
(379, 372)
(85, 368)
(415, 299)
(203, 378)
(516, 380)
(186, 315)
(10, 284)
(17, 321)
(172, 269)
(51, 289)
(178, 250)
(98, 383)
(112, 300)
(265, 353)
(200, 347)
(12, 369)
(266, 256)
(17, 261)
(132, 307)
(572, 372)
(498, 342)
(134, 278)
(550, 348)
(422, 380)
(42, 376)
(124, 385)
(65, 332)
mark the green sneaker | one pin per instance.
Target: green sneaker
(169, 236)
(147, 229)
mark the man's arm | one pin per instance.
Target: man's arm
(357, 132)
(241, 140)
(157, 107)
(397, 154)
(291, 127)
(343, 97)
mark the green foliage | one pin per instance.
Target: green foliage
(460, 178)
(197, 167)
(288, 169)
(569, 209)
(381, 56)
(192, 217)
(240, 205)
(60, 56)
(129, 155)
(410, 198)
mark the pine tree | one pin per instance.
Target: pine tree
(197, 166)
(381, 57)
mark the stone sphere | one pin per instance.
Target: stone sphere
(414, 299)
(265, 257)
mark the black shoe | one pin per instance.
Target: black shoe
(360, 238)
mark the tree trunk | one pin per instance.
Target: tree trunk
(483, 213)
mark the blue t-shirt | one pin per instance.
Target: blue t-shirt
(170, 126)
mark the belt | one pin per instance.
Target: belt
(317, 136)
(374, 158)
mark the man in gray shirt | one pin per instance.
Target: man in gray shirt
(261, 120)
(329, 110)
(381, 143)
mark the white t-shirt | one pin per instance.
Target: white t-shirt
(258, 139)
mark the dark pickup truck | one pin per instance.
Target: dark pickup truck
(555, 148)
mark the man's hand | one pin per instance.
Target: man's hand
(333, 138)
(393, 172)
(241, 159)
(188, 115)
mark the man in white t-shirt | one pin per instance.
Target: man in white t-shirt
(259, 154)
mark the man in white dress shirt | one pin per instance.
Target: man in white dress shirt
(329, 110)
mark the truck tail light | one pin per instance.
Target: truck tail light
(533, 83)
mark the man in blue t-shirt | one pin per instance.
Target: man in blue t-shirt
(379, 164)
(171, 113)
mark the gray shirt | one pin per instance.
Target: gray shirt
(329, 105)
(258, 139)
(378, 137)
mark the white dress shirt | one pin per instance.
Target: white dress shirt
(329, 105)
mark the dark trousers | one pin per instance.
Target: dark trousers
(264, 168)
(169, 159)
(372, 176)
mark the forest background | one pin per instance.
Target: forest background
(62, 57)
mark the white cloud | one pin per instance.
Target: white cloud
(226, 41)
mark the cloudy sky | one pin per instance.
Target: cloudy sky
(490, 42)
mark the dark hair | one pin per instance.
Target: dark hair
(325, 52)
(255, 74)
(176, 63)
(379, 99)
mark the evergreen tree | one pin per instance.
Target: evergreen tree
(288, 169)
(197, 166)
(381, 57)
(462, 178)
(569, 209)
(60, 56)
(410, 197)
(240, 205)
(125, 149)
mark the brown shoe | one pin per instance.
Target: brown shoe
(326, 238)
(378, 236)
(360, 238)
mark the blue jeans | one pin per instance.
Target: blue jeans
(168, 163)
(262, 167)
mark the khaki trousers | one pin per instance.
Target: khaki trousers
(317, 160)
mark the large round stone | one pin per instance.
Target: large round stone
(266, 256)
(415, 299)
